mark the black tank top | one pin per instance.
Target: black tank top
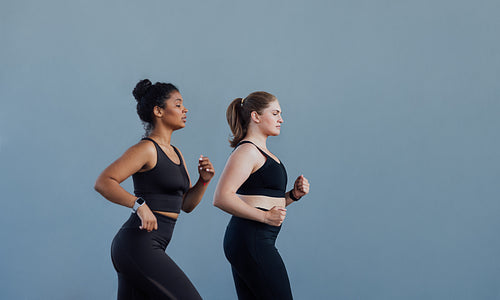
(164, 186)
(269, 180)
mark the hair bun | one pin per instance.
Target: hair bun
(141, 89)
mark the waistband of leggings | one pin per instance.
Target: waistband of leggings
(254, 224)
(163, 221)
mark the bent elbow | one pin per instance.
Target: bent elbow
(222, 199)
(216, 201)
(98, 186)
(187, 210)
(217, 204)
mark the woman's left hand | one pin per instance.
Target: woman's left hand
(205, 168)
(300, 187)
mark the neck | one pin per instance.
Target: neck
(161, 135)
(257, 138)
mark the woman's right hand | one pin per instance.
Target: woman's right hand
(147, 217)
(275, 216)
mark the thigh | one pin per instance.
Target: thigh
(256, 263)
(163, 278)
(127, 289)
(145, 269)
(243, 290)
(273, 272)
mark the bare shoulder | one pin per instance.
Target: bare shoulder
(247, 155)
(143, 147)
(243, 161)
(142, 153)
(141, 156)
(247, 150)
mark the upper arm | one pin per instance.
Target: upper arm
(138, 157)
(242, 162)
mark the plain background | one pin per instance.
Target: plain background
(391, 111)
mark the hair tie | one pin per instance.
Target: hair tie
(242, 99)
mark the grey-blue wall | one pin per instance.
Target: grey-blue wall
(391, 108)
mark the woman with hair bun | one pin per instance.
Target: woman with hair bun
(252, 188)
(162, 188)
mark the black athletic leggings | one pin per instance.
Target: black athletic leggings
(144, 270)
(258, 270)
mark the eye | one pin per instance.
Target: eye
(178, 105)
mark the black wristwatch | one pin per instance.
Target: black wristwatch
(138, 203)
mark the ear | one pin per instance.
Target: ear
(255, 116)
(158, 111)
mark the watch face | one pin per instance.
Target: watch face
(139, 201)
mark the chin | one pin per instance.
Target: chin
(180, 126)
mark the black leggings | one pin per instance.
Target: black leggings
(144, 270)
(258, 270)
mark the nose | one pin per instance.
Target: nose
(185, 110)
(280, 120)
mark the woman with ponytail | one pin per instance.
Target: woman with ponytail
(162, 188)
(252, 188)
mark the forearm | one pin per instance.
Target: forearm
(194, 195)
(114, 192)
(288, 199)
(291, 198)
(232, 204)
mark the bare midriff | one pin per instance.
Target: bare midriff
(168, 214)
(265, 202)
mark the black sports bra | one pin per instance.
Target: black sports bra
(164, 186)
(269, 180)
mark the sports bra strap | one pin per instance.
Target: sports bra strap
(249, 142)
(158, 146)
(178, 154)
(149, 139)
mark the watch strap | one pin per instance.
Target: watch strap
(138, 203)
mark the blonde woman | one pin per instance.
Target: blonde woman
(252, 189)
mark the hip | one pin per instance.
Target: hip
(249, 231)
(130, 235)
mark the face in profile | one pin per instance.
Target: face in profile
(270, 119)
(174, 112)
